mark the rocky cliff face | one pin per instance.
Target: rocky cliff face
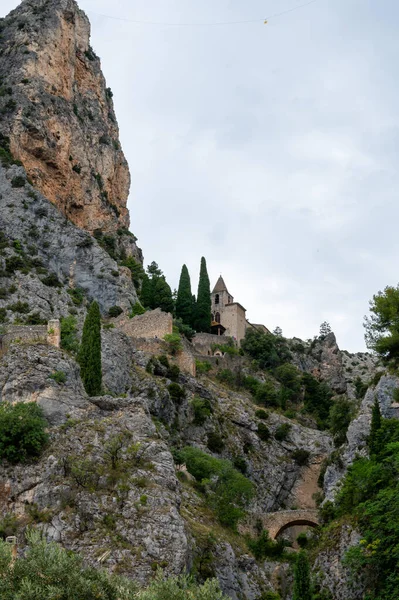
(58, 113)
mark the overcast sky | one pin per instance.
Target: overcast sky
(272, 149)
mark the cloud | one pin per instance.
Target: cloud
(270, 150)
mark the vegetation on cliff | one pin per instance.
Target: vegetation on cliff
(89, 356)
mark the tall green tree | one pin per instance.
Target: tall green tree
(155, 291)
(184, 300)
(203, 315)
(302, 585)
(374, 440)
(89, 356)
(382, 326)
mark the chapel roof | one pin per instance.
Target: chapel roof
(220, 286)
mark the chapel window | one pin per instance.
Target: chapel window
(217, 317)
(217, 299)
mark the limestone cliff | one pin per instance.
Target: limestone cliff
(58, 113)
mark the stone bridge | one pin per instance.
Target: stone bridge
(277, 522)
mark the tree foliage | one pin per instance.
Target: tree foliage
(184, 300)
(302, 583)
(382, 326)
(155, 291)
(325, 329)
(227, 490)
(203, 314)
(48, 572)
(89, 356)
(22, 431)
(268, 350)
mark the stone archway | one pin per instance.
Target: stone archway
(277, 522)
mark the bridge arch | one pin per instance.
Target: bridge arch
(278, 522)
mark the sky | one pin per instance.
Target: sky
(272, 150)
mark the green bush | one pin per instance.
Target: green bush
(115, 311)
(47, 571)
(263, 432)
(19, 307)
(77, 296)
(339, 418)
(261, 414)
(18, 181)
(264, 547)
(317, 399)
(176, 392)
(290, 378)
(282, 432)
(227, 491)
(174, 342)
(69, 337)
(52, 281)
(301, 456)
(23, 433)
(181, 588)
(302, 540)
(203, 367)
(58, 376)
(202, 410)
(266, 394)
(137, 309)
(215, 442)
(268, 350)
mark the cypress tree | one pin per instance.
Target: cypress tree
(203, 313)
(374, 441)
(184, 300)
(89, 356)
(302, 585)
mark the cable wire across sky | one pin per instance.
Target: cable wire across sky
(216, 24)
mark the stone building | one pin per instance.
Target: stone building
(229, 317)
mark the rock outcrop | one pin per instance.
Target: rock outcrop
(59, 116)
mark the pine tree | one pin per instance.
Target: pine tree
(162, 295)
(89, 356)
(325, 329)
(146, 295)
(184, 301)
(302, 585)
(155, 291)
(374, 441)
(203, 315)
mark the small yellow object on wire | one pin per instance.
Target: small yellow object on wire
(265, 23)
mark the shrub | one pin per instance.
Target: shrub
(269, 350)
(282, 432)
(240, 464)
(115, 311)
(58, 376)
(302, 540)
(184, 329)
(77, 296)
(20, 307)
(173, 373)
(266, 394)
(203, 367)
(289, 377)
(49, 571)
(227, 490)
(202, 410)
(301, 456)
(264, 547)
(52, 281)
(137, 309)
(174, 342)
(14, 263)
(263, 432)
(339, 418)
(18, 181)
(215, 442)
(176, 393)
(261, 414)
(69, 338)
(22, 431)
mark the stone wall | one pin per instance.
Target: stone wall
(154, 347)
(152, 324)
(34, 334)
(203, 343)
